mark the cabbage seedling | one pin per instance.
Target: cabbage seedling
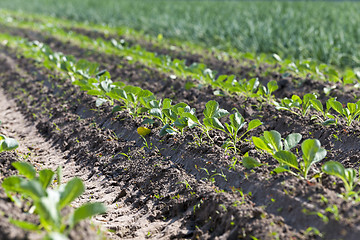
(347, 175)
(248, 87)
(99, 86)
(350, 113)
(249, 162)
(268, 90)
(271, 141)
(130, 96)
(297, 103)
(237, 122)
(156, 108)
(312, 153)
(212, 114)
(48, 202)
(173, 113)
(326, 118)
(7, 144)
(175, 116)
(225, 82)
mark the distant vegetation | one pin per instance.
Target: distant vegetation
(325, 31)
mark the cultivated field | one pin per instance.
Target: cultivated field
(171, 130)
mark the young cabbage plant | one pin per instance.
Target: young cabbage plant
(272, 142)
(289, 104)
(81, 69)
(104, 86)
(303, 105)
(226, 83)
(7, 144)
(266, 92)
(178, 120)
(183, 121)
(237, 122)
(248, 88)
(350, 113)
(168, 129)
(131, 97)
(347, 175)
(212, 114)
(173, 112)
(48, 202)
(325, 117)
(85, 69)
(100, 87)
(83, 73)
(155, 108)
(312, 153)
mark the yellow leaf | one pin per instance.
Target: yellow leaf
(143, 131)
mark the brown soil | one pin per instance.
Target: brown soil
(162, 191)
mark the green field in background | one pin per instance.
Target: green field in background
(325, 31)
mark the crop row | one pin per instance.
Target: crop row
(176, 118)
(247, 88)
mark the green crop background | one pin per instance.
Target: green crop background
(325, 31)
